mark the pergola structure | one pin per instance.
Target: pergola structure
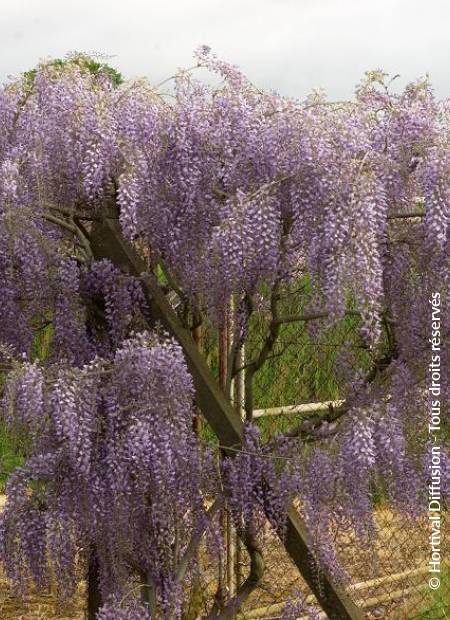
(107, 241)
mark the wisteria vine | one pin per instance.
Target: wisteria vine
(227, 194)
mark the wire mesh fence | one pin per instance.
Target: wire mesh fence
(387, 580)
(307, 372)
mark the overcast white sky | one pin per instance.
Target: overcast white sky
(292, 46)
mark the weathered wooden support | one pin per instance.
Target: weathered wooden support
(218, 411)
(94, 597)
(277, 608)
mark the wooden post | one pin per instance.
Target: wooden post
(94, 599)
(229, 534)
(197, 336)
(238, 402)
(221, 415)
(224, 585)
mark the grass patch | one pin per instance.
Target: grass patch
(9, 457)
(437, 606)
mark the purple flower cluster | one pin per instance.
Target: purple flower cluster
(116, 465)
(121, 295)
(240, 194)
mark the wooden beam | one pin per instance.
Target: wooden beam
(108, 241)
(274, 609)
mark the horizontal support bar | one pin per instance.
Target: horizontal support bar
(304, 408)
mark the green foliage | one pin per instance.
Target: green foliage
(10, 458)
(303, 369)
(84, 62)
(13, 448)
(437, 606)
(42, 341)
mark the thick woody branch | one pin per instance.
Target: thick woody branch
(192, 547)
(72, 213)
(255, 365)
(69, 226)
(407, 215)
(309, 428)
(311, 316)
(257, 567)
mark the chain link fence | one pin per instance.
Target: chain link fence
(308, 370)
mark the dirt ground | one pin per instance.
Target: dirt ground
(37, 606)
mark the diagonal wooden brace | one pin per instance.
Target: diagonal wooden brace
(109, 242)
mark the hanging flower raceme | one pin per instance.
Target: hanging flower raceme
(232, 187)
(116, 465)
(241, 195)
